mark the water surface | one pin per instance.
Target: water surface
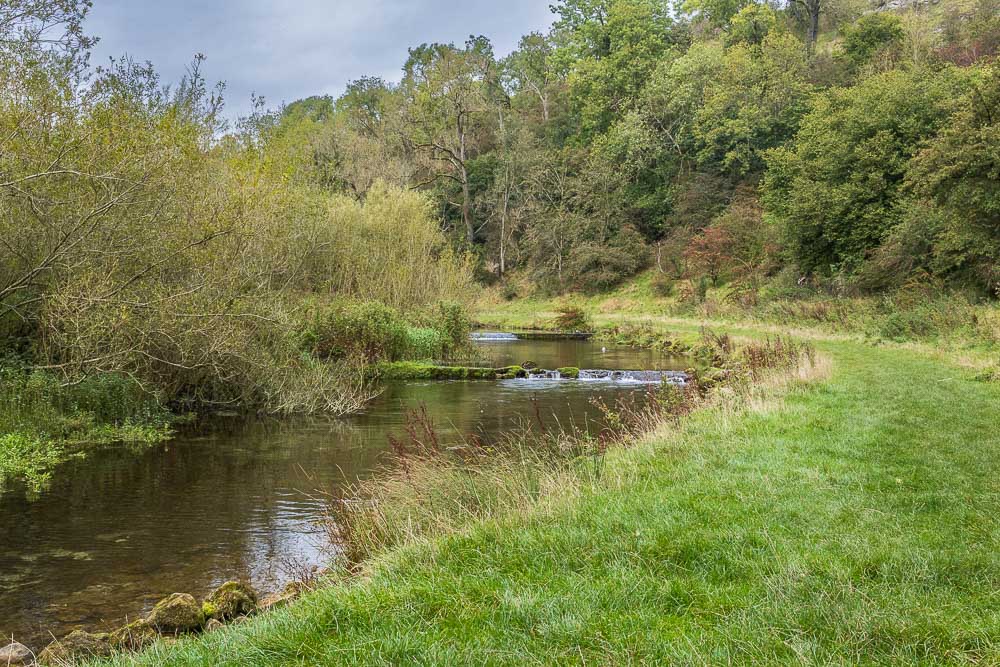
(123, 528)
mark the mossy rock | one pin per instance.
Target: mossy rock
(133, 636)
(410, 370)
(75, 645)
(570, 372)
(176, 614)
(230, 600)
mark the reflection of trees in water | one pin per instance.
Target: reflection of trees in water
(119, 530)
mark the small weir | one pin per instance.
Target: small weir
(612, 377)
(491, 337)
(635, 377)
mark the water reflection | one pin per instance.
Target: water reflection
(121, 529)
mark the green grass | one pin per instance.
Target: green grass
(852, 520)
(907, 315)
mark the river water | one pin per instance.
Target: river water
(123, 528)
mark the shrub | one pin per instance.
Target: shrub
(573, 319)
(662, 285)
(368, 329)
(454, 326)
(425, 343)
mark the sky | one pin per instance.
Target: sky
(288, 50)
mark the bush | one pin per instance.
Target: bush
(368, 329)
(662, 285)
(40, 416)
(40, 403)
(425, 343)
(594, 266)
(454, 325)
(573, 319)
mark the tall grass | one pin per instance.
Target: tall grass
(438, 487)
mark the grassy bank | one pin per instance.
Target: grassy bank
(340, 348)
(902, 316)
(850, 519)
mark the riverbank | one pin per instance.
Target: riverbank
(339, 351)
(852, 518)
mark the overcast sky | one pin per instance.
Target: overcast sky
(289, 50)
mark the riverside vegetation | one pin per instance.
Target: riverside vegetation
(831, 152)
(826, 170)
(818, 514)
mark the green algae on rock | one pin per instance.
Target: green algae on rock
(230, 600)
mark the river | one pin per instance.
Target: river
(119, 530)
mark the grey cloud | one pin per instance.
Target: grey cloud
(288, 50)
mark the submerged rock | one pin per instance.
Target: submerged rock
(16, 655)
(178, 613)
(133, 636)
(230, 600)
(77, 644)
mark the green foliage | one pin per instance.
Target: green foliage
(455, 326)
(425, 343)
(753, 103)
(43, 421)
(28, 457)
(623, 50)
(837, 188)
(752, 24)
(370, 329)
(871, 34)
(959, 173)
(662, 285)
(719, 13)
(594, 266)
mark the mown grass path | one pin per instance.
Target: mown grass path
(856, 521)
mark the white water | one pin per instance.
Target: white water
(608, 377)
(488, 337)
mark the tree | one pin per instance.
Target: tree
(752, 24)
(754, 103)
(813, 10)
(452, 98)
(607, 82)
(869, 35)
(505, 201)
(718, 13)
(529, 68)
(959, 172)
(836, 188)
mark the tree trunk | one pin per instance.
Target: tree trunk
(470, 231)
(814, 7)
